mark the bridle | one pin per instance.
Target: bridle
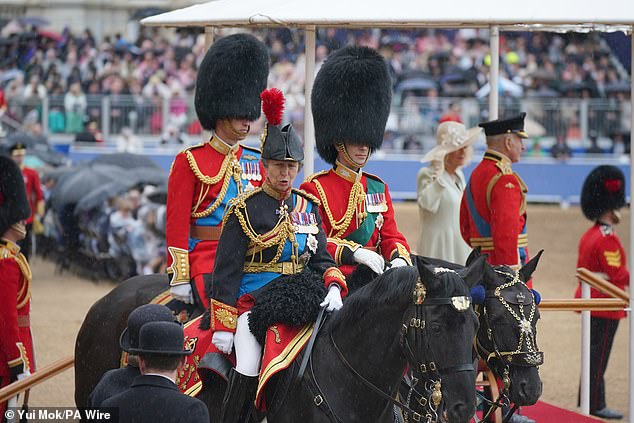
(413, 326)
(526, 354)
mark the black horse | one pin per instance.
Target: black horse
(360, 354)
(507, 338)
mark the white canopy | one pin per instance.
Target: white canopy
(539, 14)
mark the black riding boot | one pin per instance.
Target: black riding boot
(238, 397)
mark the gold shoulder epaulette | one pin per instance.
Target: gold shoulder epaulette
(373, 176)
(504, 167)
(5, 252)
(251, 148)
(308, 196)
(315, 175)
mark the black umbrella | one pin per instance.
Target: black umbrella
(148, 176)
(159, 195)
(98, 196)
(73, 186)
(416, 84)
(33, 21)
(125, 160)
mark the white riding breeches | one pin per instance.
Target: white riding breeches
(248, 349)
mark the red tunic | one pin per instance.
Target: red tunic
(16, 345)
(600, 251)
(33, 191)
(356, 214)
(493, 212)
(202, 181)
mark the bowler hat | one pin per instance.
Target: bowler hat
(141, 315)
(603, 190)
(162, 338)
(14, 205)
(512, 125)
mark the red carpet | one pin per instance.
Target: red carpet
(543, 412)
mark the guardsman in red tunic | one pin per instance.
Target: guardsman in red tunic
(493, 207)
(33, 193)
(351, 102)
(601, 251)
(204, 178)
(16, 345)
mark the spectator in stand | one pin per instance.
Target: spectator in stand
(452, 114)
(172, 136)
(128, 142)
(91, 134)
(561, 150)
(75, 106)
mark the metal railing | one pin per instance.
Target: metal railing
(411, 125)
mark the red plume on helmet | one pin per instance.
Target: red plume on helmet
(273, 105)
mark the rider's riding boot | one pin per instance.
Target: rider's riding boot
(238, 397)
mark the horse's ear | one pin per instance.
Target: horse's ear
(427, 275)
(474, 273)
(490, 278)
(527, 271)
(475, 253)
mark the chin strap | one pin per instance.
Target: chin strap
(341, 147)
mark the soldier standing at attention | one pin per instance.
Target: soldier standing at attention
(33, 194)
(493, 207)
(601, 251)
(351, 102)
(16, 344)
(205, 177)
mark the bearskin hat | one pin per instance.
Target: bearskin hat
(351, 100)
(278, 142)
(14, 205)
(603, 190)
(230, 79)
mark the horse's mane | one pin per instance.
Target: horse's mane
(392, 287)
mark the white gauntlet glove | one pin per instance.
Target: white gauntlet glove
(333, 299)
(398, 262)
(183, 293)
(371, 259)
(437, 168)
(223, 340)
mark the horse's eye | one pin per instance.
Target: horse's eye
(435, 327)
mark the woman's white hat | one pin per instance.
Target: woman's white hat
(451, 136)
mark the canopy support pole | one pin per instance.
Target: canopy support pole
(209, 40)
(309, 128)
(494, 72)
(631, 319)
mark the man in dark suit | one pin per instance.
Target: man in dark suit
(118, 380)
(154, 396)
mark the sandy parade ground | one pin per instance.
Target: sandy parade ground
(61, 301)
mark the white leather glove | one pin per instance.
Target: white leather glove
(398, 262)
(371, 259)
(223, 340)
(437, 168)
(333, 299)
(24, 375)
(183, 293)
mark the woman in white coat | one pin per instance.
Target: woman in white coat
(440, 186)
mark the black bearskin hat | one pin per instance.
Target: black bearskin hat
(14, 205)
(230, 79)
(603, 190)
(351, 100)
(278, 142)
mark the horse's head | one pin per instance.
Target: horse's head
(507, 338)
(439, 337)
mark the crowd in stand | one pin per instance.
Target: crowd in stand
(140, 76)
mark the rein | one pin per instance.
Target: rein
(415, 321)
(519, 357)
